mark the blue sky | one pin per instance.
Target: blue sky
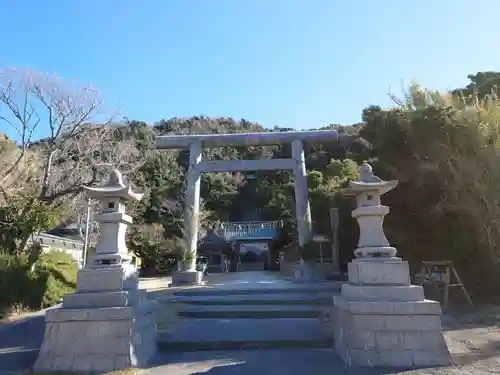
(293, 63)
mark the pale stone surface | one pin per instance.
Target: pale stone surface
(401, 293)
(379, 318)
(117, 332)
(192, 202)
(426, 307)
(302, 207)
(211, 166)
(244, 139)
(367, 339)
(108, 324)
(388, 325)
(187, 278)
(393, 272)
(113, 221)
(99, 299)
(107, 279)
(370, 213)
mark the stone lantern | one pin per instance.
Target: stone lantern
(113, 221)
(108, 323)
(381, 319)
(370, 214)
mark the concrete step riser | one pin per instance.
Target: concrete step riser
(205, 292)
(249, 314)
(241, 345)
(221, 302)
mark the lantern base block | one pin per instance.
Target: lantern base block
(376, 252)
(381, 320)
(181, 278)
(107, 325)
(385, 271)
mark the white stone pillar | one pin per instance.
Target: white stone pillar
(302, 208)
(192, 202)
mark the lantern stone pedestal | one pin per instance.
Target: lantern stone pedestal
(191, 277)
(380, 318)
(108, 324)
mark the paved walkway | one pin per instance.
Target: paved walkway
(257, 362)
(21, 340)
(226, 292)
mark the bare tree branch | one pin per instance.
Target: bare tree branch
(75, 147)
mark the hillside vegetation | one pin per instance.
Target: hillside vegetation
(442, 147)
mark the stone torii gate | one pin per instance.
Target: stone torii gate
(195, 144)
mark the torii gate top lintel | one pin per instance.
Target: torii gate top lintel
(166, 142)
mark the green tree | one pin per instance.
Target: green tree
(481, 85)
(20, 218)
(444, 152)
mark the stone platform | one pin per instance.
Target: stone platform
(106, 330)
(182, 278)
(382, 320)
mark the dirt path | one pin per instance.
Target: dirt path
(474, 342)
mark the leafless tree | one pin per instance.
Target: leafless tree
(78, 140)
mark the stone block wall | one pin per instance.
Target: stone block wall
(107, 325)
(397, 334)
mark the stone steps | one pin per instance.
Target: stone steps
(249, 311)
(240, 334)
(256, 315)
(249, 321)
(315, 299)
(264, 289)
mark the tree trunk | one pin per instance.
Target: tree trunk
(34, 255)
(46, 176)
(24, 241)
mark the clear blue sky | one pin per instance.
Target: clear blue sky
(294, 63)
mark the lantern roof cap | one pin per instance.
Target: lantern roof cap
(368, 182)
(113, 187)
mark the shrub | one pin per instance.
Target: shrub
(59, 270)
(446, 154)
(53, 276)
(21, 217)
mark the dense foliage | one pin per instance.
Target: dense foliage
(442, 147)
(21, 216)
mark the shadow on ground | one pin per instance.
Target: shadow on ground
(20, 342)
(261, 362)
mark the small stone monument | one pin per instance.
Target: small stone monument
(108, 323)
(381, 319)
